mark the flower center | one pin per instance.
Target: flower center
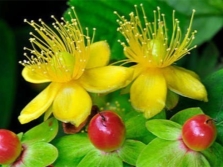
(157, 51)
(58, 54)
(61, 65)
(148, 44)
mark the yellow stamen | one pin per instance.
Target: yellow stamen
(149, 45)
(59, 54)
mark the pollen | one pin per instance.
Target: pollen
(59, 52)
(147, 43)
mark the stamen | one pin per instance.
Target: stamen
(56, 52)
(149, 43)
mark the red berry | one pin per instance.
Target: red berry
(106, 131)
(199, 132)
(10, 146)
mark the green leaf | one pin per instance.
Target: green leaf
(201, 7)
(194, 159)
(160, 153)
(203, 62)
(169, 154)
(97, 158)
(72, 149)
(20, 135)
(208, 64)
(38, 154)
(8, 73)
(207, 14)
(45, 131)
(120, 104)
(214, 155)
(183, 115)
(204, 25)
(214, 106)
(164, 129)
(136, 129)
(130, 151)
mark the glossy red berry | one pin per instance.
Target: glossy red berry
(106, 131)
(199, 132)
(10, 146)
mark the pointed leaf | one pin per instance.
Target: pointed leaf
(214, 155)
(130, 151)
(207, 14)
(202, 63)
(160, 153)
(45, 131)
(202, 7)
(169, 153)
(20, 135)
(194, 159)
(39, 154)
(72, 148)
(136, 128)
(97, 158)
(164, 129)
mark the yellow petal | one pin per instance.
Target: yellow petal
(182, 82)
(106, 79)
(32, 76)
(138, 69)
(39, 104)
(148, 92)
(188, 71)
(72, 104)
(99, 54)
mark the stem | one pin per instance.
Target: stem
(103, 119)
(209, 120)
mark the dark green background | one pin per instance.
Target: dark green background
(15, 93)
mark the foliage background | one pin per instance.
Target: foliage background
(15, 93)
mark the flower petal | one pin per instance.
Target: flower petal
(138, 69)
(39, 104)
(148, 92)
(106, 79)
(99, 54)
(182, 82)
(32, 76)
(72, 104)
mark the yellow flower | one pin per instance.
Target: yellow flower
(154, 55)
(73, 65)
